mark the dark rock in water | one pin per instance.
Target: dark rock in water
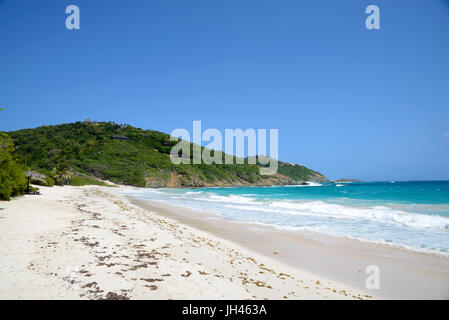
(304, 183)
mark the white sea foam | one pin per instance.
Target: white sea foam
(397, 223)
(318, 208)
(377, 213)
(226, 199)
(309, 184)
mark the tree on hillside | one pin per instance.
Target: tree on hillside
(12, 174)
(63, 173)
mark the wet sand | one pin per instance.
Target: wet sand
(404, 273)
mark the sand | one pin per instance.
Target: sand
(403, 273)
(90, 243)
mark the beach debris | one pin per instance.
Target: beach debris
(151, 280)
(115, 296)
(70, 277)
(187, 274)
(152, 287)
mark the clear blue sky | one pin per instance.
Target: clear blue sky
(348, 102)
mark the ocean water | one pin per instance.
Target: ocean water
(410, 214)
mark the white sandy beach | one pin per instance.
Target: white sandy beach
(89, 243)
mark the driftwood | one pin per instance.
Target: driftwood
(33, 192)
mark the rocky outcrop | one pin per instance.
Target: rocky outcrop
(178, 181)
(317, 177)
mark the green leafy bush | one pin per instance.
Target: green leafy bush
(12, 174)
(83, 181)
(50, 181)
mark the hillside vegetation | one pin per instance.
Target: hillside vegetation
(12, 173)
(81, 153)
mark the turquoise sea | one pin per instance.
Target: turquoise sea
(413, 214)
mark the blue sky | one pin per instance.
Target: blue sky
(348, 102)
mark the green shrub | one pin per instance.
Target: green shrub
(12, 174)
(84, 181)
(50, 181)
(32, 189)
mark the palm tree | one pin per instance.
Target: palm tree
(63, 173)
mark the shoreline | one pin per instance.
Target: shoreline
(90, 243)
(405, 273)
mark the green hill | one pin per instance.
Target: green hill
(300, 173)
(127, 155)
